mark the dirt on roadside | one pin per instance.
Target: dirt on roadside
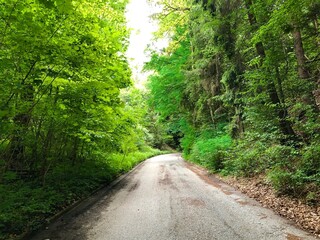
(305, 216)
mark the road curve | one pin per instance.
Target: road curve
(167, 199)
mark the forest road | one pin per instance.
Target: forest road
(165, 198)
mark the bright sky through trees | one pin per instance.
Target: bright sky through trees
(138, 18)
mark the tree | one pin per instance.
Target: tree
(252, 73)
(62, 65)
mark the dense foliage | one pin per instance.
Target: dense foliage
(237, 89)
(62, 65)
(65, 126)
(240, 83)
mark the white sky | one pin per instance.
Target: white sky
(138, 18)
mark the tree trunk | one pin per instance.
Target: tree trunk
(299, 51)
(74, 152)
(313, 97)
(21, 120)
(45, 151)
(282, 113)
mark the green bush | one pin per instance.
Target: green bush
(188, 140)
(284, 182)
(245, 159)
(310, 163)
(211, 152)
(282, 155)
(296, 171)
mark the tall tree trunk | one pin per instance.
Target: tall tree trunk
(17, 146)
(46, 149)
(282, 113)
(313, 97)
(299, 51)
(74, 152)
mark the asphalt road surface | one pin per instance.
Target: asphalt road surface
(165, 198)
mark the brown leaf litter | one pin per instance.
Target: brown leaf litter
(305, 216)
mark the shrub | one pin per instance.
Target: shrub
(245, 159)
(310, 162)
(282, 155)
(285, 182)
(211, 152)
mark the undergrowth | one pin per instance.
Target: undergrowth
(209, 149)
(27, 202)
(291, 170)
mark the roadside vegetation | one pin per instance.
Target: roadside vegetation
(70, 119)
(26, 203)
(241, 84)
(237, 91)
